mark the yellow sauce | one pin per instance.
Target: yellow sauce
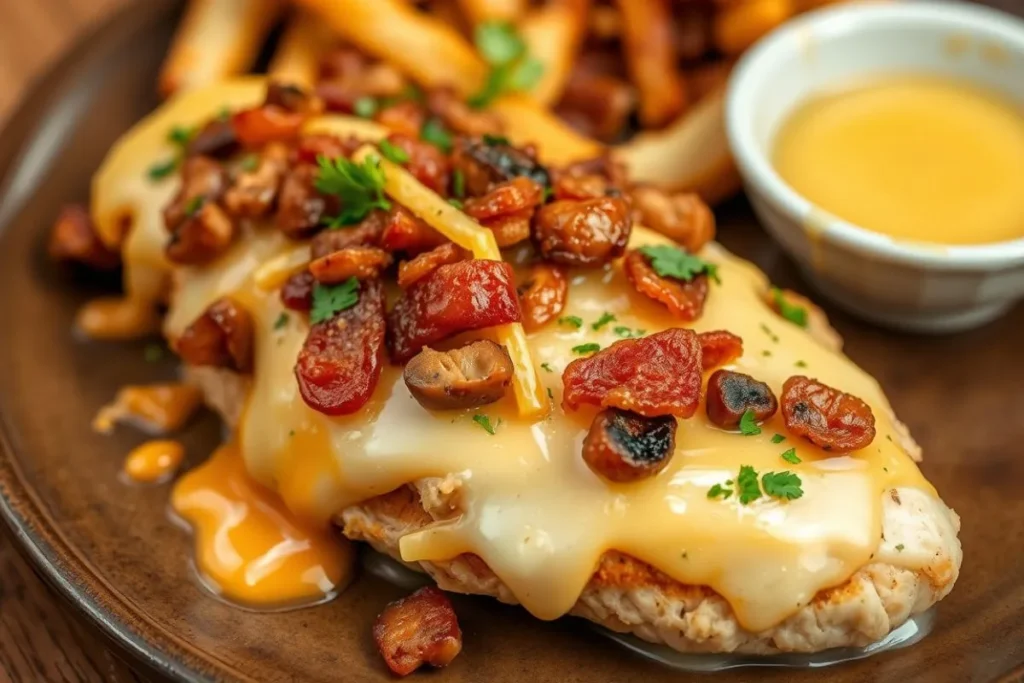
(154, 461)
(249, 547)
(914, 157)
(159, 408)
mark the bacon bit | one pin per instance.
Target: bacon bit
(74, 240)
(511, 229)
(731, 394)
(417, 630)
(253, 193)
(484, 164)
(543, 295)
(411, 272)
(719, 348)
(201, 237)
(583, 233)
(655, 375)
(577, 187)
(366, 233)
(203, 180)
(405, 232)
(683, 217)
(622, 446)
(426, 163)
(446, 104)
(297, 291)
(312, 147)
(221, 337)
(458, 297)
(257, 126)
(685, 299)
(831, 419)
(216, 139)
(362, 263)
(340, 363)
(405, 118)
(301, 207)
(512, 196)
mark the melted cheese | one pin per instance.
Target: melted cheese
(154, 461)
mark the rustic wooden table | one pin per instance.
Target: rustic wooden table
(39, 640)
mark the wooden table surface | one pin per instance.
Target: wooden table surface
(39, 640)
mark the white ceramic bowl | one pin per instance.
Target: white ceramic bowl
(907, 285)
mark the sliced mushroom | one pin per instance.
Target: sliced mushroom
(731, 394)
(467, 377)
(202, 237)
(623, 446)
(253, 192)
(361, 263)
(203, 180)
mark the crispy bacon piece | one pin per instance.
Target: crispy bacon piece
(417, 630)
(221, 337)
(458, 297)
(301, 208)
(831, 419)
(339, 364)
(624, 446)
(405, 117)
(74, 240)
(731, 394)
(583, 233)
(362, 263)
(683, 217)
(297, 291)
(405, 232)
(257, 126)
(366, 233)
(655, 375)
(719, 348)
(426, 163)
(312, 147)
(543, 295)
(685, 299)
(412, 271)
(506, 209)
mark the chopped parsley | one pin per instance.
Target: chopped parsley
(784, 485)
(677, 263)
(458, 183)
(484, 422)
(800, 364)
(605, 318)
(571, 321)
(771, 335)
(512, 69)
(249, 163)
(434, 132)
(748, 423)
(791, 457)
(181, 135)
(747, 484)
(360, 187)
(457, 204)
(153, 353)
(584, 349)
(365, 107)
(494, 140)
(778, 438)
(162, 169)
(281, 321)
(792, 312)
(628, 333)
(194, 204)
(551, 394)
(329, 300)
(392, 152)
(719, 491)
(766, 353)
(547, 366)
(900, 547)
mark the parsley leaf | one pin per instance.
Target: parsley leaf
(792, 312)
(181, 135)
(571, 321)
(719, 490)
(551, 394)
(627, 333)
(281, 321)
(778, 438)
(459, 183)
(547, 366)
(194, 204)
(782, 485)
(584, 349)
(800, 364)
(162, 169)
(153, 353)
(677, 263)
(900, 547)
(249, 163)
(392, 152)
(750, 490)
(498, 43)
(329, 300)
(365, 107)
(484, 422)
(605, 318)
(359, 187)
(457, 204)
(748, 424)
(790, 456)
(495, 140)
(434, 132)
(512, 69)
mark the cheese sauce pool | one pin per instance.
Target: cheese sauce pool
(915, 157)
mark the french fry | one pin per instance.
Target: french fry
(297, 59)
(493, 10)
(738, 26)
(553, 35)
(651, 59)
(216, 39)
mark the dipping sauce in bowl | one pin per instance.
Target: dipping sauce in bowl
(917, 157)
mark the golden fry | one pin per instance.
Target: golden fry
(488, 10)
(216, 39)
(297, 59)
(651, 59)
(737, 27)
(553, 35)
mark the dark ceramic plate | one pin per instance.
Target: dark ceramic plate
(111, 551)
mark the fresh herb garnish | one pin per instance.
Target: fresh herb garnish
(551, 394)
(281, 321)
(800, 364)
(791, 457)
(194, 205)
(484, 422)
(249, 163)
(766, 353)
(547, 366)
(512, 69)
(900, 547)
(360, 187)
(782, 485)
(792, 312)
(771, 335)
(719, 490)
(434, 132)
(162, 169)
(153, 353)
(748, 423)
(494, 140)
(181, 135)
(365, 107)
(457, 204)
(584, 349)
(605, 318)
(677, 263)
(750, 490)
(392, 152)
(778, 438)
(458, 183)
(571, 321)
(328, 300)
(628, 333)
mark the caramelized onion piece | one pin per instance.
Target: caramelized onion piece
(340, 363)
(417, 630)
(543, 295)
(73, 239)
(407, 233)
(405, 118)
(684, 298)
(301, 208)
(719, 348)
(220, 337)
(655, 375)
(412, 271)
(258, 126)
(466, 377)
(203, 180)
(583, 233)
(366, 233)
(683, 217)
(253, 192)
(506, 209)
(463, 296)
(622, 446)
(731, 394)
(831, 419)
(362, 263)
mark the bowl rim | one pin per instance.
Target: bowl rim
(865, 19)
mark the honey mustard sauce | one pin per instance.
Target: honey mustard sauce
(154, 461)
